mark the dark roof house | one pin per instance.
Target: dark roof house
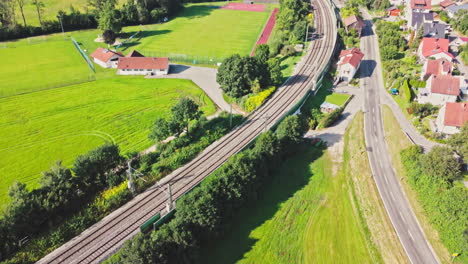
(434, 30)
(419, 18)
(453, 9)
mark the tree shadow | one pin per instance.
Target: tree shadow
(283, 184)
(194, 12)
(367, 68)
(137, 40)
(178, 68)
(367, 30)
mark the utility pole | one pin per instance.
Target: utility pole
(169, 204)
(265, 122)
(130, 183)
(61, 24)
(230, 116)
(307, 33)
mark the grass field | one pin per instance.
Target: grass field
(305, 215)
(337, 98)
(33, 64)
(38, 128)
(324, 94)
(397, 141)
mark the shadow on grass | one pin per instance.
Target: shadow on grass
(194, 12)
(292, 176)
(139, 37)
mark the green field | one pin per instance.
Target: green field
(40, 63)
(38, 128)
(337, 98)
(306, 215)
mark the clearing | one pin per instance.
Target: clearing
(59, 124)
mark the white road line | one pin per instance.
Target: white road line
(409, 233)
(401, 215)
(385, 177)
(391, 194)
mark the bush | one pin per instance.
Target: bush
(417, 84)
(288, 50)
(407, 91)
(329, 119)
(257, 100)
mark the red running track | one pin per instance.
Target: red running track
(263, 39)
(245, 7)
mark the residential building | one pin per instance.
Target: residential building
(349, 63)
(421, 4)
(453, 9)
(354, 22)
(434, 30)
(106, 58)
(440, 89)
(436, 48)
(393, 11)
(327, 107)
(436, 67)
(452, 116)
(419, 18)
(143, 66)
(446, 3)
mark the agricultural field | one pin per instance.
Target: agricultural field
(40, 63)
(308, 214)
(39, 128)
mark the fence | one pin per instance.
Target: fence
(85, 56)
(182, 58)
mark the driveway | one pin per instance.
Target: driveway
(203, 77)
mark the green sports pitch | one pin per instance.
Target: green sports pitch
(39, 128)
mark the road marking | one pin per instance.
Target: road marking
(385, 177)
(409, 233)
(393, 197)
(401, 215)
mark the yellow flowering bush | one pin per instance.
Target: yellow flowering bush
(255, 101)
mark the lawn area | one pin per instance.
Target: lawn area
(337, 98)
(40, 63)
(397, 141)
(307, 214)
(324, 94)
(59, 124)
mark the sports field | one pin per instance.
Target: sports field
(40, 63)
(38, 128)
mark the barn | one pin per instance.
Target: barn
(106, 58)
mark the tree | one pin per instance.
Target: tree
(290, 12)
(161, 130)
(185, 111)
(459, 142)
(262, 53)
(291, 130)
(109, 37)
(39, 9)
(6, 13)
(276, 76)
(109, 18)
(98, 5)
(440, 165)
(21, 4)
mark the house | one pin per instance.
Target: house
(436, 48)
(134, 53)
(393, 11)
(436, 67)
(143, 66)
(421, 4)
(446, 3)
(440, 89)
(354, 22)
(434, 30)
(419, 18)
(106, 58)
(348, 63)
(459, 41)
(452, 116)
(453, 9)
(327, 107)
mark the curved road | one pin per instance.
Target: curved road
(105, 237)
(403, 219)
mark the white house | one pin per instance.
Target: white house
(106, 58)
(452, 116)
(440, 89)
(143, 66)
(349, 63)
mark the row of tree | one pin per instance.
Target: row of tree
(239, 76)
(63, 191)
(205, 212)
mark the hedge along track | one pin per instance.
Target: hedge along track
(102, 239)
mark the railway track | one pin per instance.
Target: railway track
(105, 237)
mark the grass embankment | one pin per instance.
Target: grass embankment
(307, 214)
(397, 141)
(59, 124)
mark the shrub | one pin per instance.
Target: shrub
(257, 100)
(288, 50)
(407, 91)
(329, 119)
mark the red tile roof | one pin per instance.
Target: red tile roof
(104, 55)
(432, 46)
(421, 4)
(456, 114)
(445, 84)
(352, 56)
(143, 63)
(446, 3)
(439, 66)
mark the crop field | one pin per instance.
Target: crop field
(306, 215)
(39, 63)
(39, 128)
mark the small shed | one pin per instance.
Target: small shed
(327, 107)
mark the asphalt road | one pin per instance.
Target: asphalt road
(403, 219)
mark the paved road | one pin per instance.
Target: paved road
(403, 219)
(108, 235)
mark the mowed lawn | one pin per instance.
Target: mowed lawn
(39, 128)
(201, 30)
(306, 215)
(40, 63)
